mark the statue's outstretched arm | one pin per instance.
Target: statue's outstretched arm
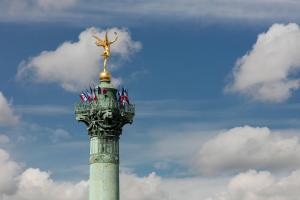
(116, 38)
(99, 41)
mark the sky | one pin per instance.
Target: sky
(215, 85)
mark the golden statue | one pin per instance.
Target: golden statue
(105, 75)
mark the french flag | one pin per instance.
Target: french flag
(89, 96)
(118, 95)
(83, 97)
(94, 95)
(126, 96)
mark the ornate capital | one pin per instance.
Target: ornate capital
(106, 116)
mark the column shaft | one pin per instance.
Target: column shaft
(104, 169)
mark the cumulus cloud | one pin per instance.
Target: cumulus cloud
(136, 188)
(17, 183)
(7, 115)
(36, 184)
(8, 174)
(244, 148)
(74, 65)
(267, 72)
(30, 184)
(254, 185)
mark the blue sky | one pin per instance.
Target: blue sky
(215, 87)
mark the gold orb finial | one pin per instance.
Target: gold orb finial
(105, 76)
(105, 43)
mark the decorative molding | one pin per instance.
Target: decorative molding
(104, 158)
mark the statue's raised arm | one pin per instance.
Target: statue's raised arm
(116, 38)
(99, 42)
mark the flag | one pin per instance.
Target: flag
(91, 90)
(89, 96)
(118, 95)
(126, 96)
(94, 94)
(83, 97)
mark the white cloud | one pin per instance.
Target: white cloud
(31, 184)
(136, 188)
(244, 148)
(34, 184)
(266, 73)
(190, 150)
(254, 185)
(17, 183)
(174, 146)
(8, 174)
(7, 116)
(74, 65)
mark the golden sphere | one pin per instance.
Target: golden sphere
(105, 76)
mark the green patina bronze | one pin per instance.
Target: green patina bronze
(104, 119)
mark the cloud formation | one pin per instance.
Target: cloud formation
(266, 73)
(254, 185)
(7, 115)
(136, 188)
(8, 173)
(244, 148)
(17, 183)
(74, 64)
(35, 184)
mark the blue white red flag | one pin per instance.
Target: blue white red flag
(94, 94)
(89, 96)
(83, 97)
(123, 96)
(91, 90)
(126, 96)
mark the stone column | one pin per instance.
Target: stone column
(104, 119)
(104, 168)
